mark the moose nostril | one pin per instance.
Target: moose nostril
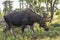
(46, 29)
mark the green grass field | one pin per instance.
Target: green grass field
(40, 34)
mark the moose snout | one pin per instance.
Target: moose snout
(46, 29)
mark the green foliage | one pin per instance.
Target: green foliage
(7, 6)
(35, 2)
(57, 12)
(37, 9)
(53, 32)
(41, 0)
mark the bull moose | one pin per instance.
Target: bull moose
(23, 18)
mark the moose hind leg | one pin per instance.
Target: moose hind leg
(4, 31)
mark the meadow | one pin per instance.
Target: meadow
(40, 34)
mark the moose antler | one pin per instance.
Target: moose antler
(46, 18)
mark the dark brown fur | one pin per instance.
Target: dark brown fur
(23, 18)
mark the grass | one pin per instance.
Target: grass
(40, 34)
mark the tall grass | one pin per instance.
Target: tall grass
(40, 34)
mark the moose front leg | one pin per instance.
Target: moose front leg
(13, 32)
(22, 29)
(30, 28)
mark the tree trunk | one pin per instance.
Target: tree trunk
(52, 9)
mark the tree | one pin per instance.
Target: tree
(21, 2)
(36, 5)
(7, 6)
(0, 10)
(52, 6)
